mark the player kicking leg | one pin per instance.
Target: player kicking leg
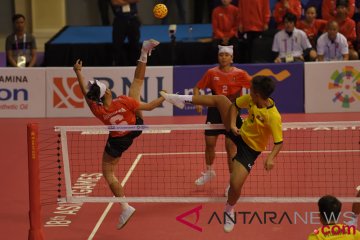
(109, 163)
(252, 137)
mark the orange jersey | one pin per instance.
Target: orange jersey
(224, 21)
(280, 10)
(229, 84)
(312, 30)
(328, 9)
(254, 15)
(348, 29)
(120, 112)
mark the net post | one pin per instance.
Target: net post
(36, 230)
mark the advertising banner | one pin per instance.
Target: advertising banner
(64, 98)
(22, 92)
(332, 87)
(288, 96)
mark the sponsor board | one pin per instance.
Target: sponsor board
(65, 99)
(22, 92)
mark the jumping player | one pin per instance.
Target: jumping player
(121, 110)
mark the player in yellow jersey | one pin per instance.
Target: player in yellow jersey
(263, 122)
(330, 209)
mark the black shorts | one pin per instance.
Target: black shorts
(244, 154)
(214, 117)
(115, 146)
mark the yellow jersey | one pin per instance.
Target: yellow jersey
(335, 232)
(260, 124)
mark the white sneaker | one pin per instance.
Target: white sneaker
(148, 45)
(206, 176)
(229, 221)
(227, 191)
(173, 99)
(125, 216)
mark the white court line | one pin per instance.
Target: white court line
(107, 209)
(303, 151)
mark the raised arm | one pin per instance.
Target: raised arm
(151, 105)
(77, 69)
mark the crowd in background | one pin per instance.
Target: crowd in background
(324, 30)
(259, 30)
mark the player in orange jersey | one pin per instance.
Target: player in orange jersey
(121, 110)
(224, 79)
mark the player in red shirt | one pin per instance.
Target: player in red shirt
(227, 80)
(346, 26)
(312, 26)
(284, 6)
(121, 110)
(224, 22)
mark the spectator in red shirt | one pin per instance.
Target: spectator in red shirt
(225, 26)
(286, 6)
(346, 26)
(254, 17)
(312, 26)
(328, 9)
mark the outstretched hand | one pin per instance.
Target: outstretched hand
(78, 65)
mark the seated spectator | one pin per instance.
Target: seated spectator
(286, 6)
(346, 26)
(330, 209)
(225, 26)
(332, 45)
(312, 26)
(292, 44)
(20, 45)
(328, 9)
(316, 4)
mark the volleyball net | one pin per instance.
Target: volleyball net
(162, 164)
